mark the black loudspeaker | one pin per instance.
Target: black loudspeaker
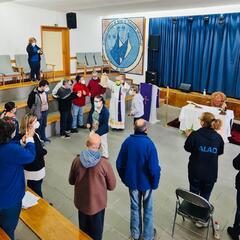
(151, 77)
(185, 87)
(71, 20)
(153, 43)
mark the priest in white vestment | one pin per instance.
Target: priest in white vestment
(119, 89)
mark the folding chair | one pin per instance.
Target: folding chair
(99, 62)
(22, 64)
(193, 207)
(81, 62)
(45, 67)
(91, 65)
(6, 69)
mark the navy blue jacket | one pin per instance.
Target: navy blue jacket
(236, 165)
(138, 164)
(205, 145)
(31, 52)
(103, 127)
(12, 181)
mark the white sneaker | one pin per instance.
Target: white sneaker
(201, 225)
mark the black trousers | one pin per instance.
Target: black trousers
(36, 186)
(65, 122)
(92, 101)
(236, 224)
(202, 188)
(92, 224)
(35, 70)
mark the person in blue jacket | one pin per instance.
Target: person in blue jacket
(234, 231)
(98, 122)
(205, 145)
(34, 58)
(139, 169)
(12, 182)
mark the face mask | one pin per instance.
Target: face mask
(83, 82)
(130, 92)
(13, 134)
(95, 78)
(97, 105)
(47, 89)
(33, 44)
(118, 83)
(36, 125)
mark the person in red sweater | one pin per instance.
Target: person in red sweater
(95, 88)
(78, 103)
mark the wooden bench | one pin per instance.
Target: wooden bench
(49, 224)
(3, 235)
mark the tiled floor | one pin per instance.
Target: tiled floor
(174, 162)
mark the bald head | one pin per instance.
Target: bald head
(140, 126)
(93, 142)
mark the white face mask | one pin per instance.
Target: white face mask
(33, 44)
(130, 92)
(83, 82)
(36, 125)
(97, 105)
(13, 134)
(47, 89)
(95, 78)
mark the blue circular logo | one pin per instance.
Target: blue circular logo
(123, 45)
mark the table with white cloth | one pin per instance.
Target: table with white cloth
(190, 119)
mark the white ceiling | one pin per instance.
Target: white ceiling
(119, 6)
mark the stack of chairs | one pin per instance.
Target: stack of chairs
(91, 61)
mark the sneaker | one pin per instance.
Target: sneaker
(67, 136)
(74, 130)
(201, 225)
(62, 135)
(155, 234)
(47, 140)
(231, 232)
(131, 238)
(68, 132)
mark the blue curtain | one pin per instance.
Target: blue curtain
(201, 50)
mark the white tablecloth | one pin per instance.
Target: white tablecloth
(189, 119)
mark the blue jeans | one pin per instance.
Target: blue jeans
(9, 219)
(139, 199)
(202, 188)
(77, 113)
(43, 124)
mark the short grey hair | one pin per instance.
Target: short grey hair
(140, 125)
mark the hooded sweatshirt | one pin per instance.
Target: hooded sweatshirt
(205, 145)
(91, 176)
(137, 108)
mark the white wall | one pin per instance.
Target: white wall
(88, 36)
(18, 23)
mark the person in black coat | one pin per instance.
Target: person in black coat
(234, 231)
(34, 58)
(205, 145)
(65, 96)
(35, 171)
